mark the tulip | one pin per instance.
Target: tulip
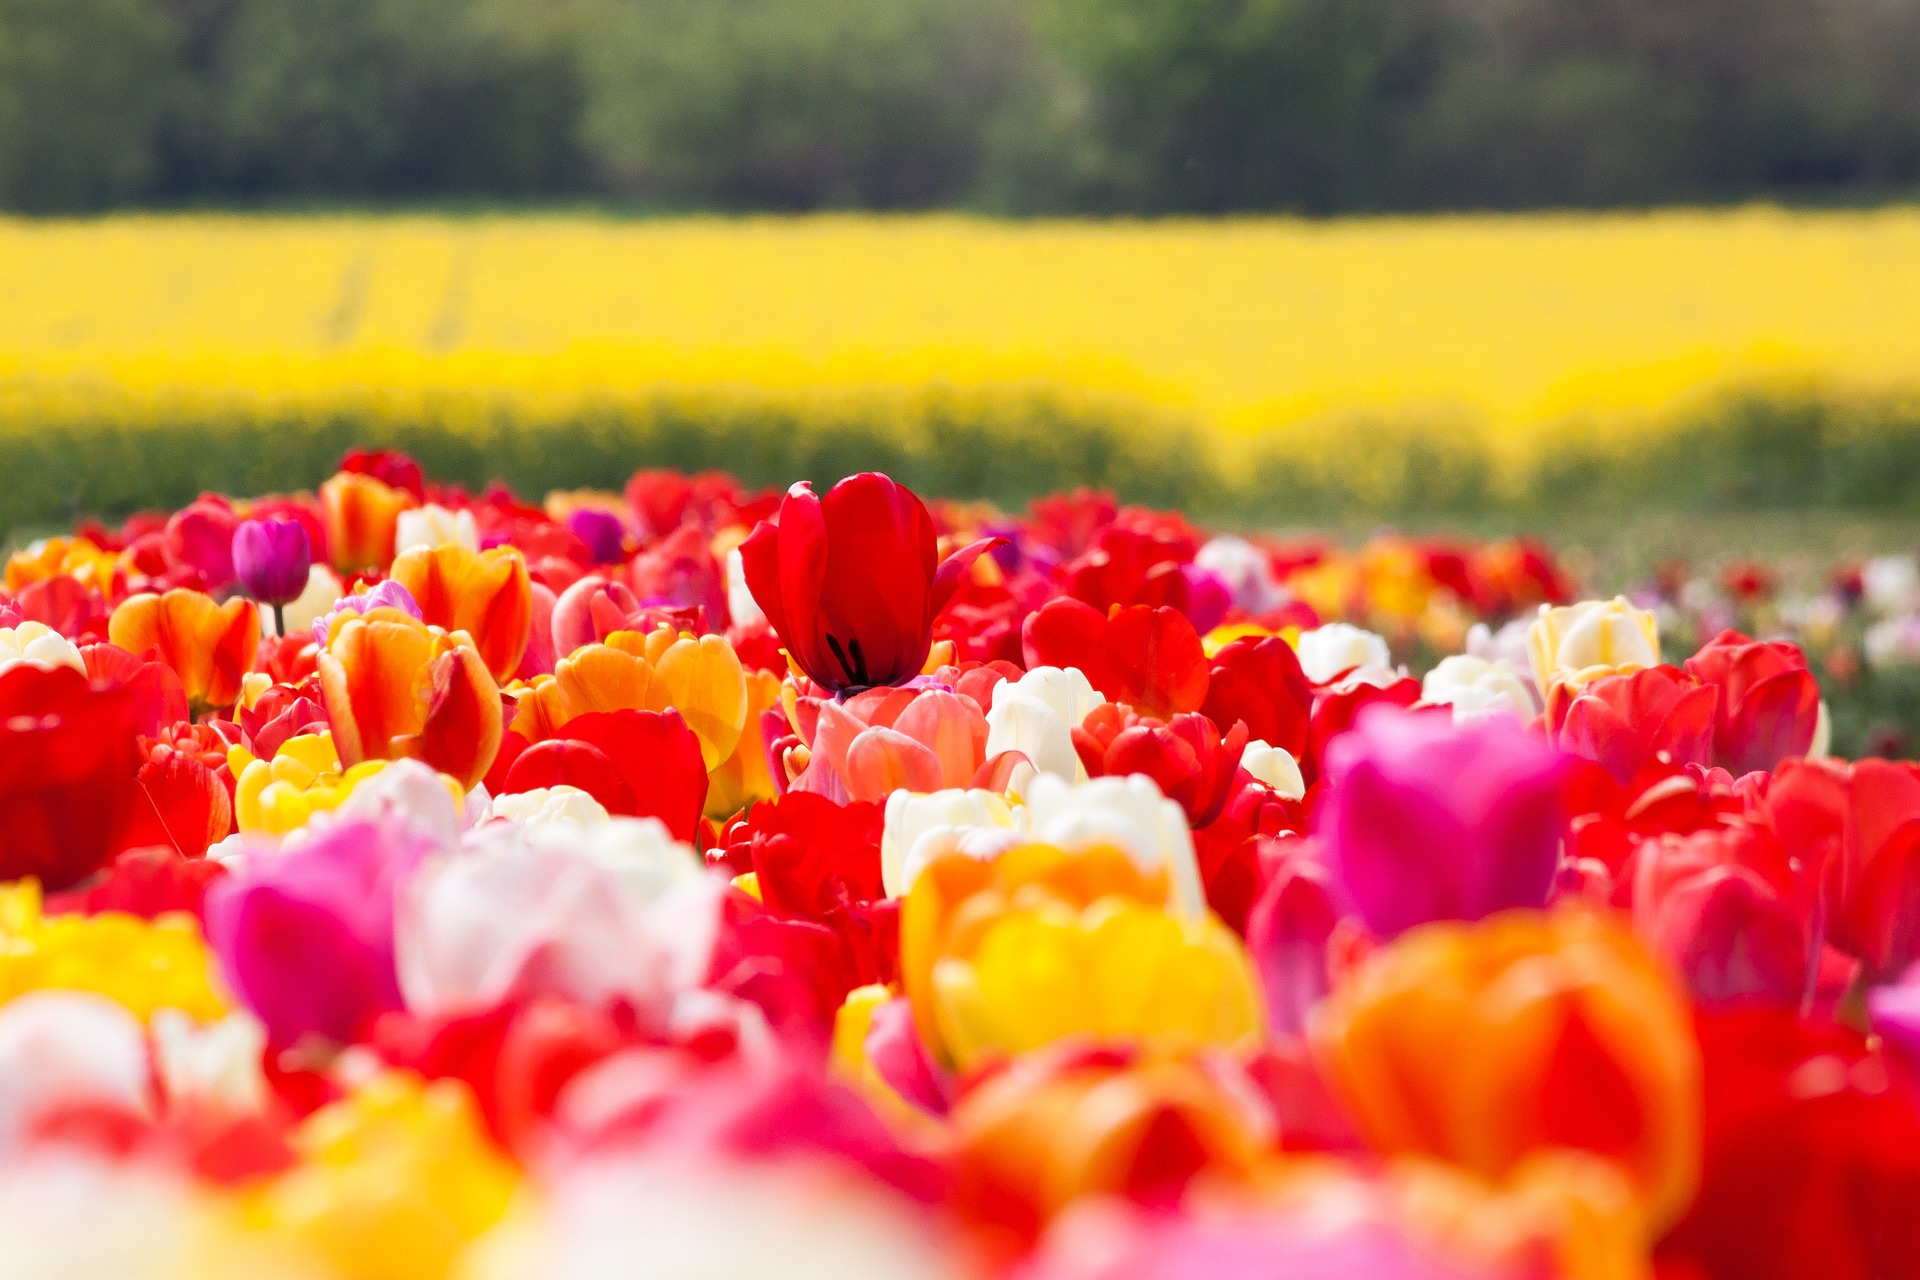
(1116, 971)
(322, 906)
(1812, 1159)
(396, 1180)
(200, 535)
(927, 740)
(1487, 1044)
(1036, 716)
(144, 966)
(635, 763)
(390, 467)
(700, 677)
(395, 688)
(209, 646)
(147, 882)
(382, 595)
(1150, 658)
(486, 594)
(71, 1052)
(1429, 820)
(680, 572)
(550, 806)
(1327, 653)
(68, 768)
(1628, 722)
(1719, 906)
(432, 526)
(603, 532)
(1258, 681)
(809, 855)
(589, 611)
(1856, 830)
(182, 804)
(1057, 1128)
(273, 561)
(1187, 757)
(1338, 706)
(361, 515)
(39, 645)
(1574, 644)
(563, 910)
(1769, 703)
(920, 828)
(851, 582)
(1476, 687)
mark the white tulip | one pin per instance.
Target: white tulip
(39, 645)
(921, 827)
(434, 526)
(1276, 767)
(1036, 716)
(550, 806)
(1340, 646)
(1475, 687)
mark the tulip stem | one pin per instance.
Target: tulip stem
(280, 620)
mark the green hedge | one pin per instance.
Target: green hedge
(1744, 453)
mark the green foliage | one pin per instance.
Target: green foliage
(1744, 455)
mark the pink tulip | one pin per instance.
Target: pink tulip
(1431, 820)
(305, 936)
(589, 611)
(888, 739)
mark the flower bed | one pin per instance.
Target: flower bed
(399, 882)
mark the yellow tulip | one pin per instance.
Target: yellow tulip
(394, 1182)
(1577, 643)
(145, 965)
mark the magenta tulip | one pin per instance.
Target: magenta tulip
(305, 937)
(271, 558)
(1431, 820)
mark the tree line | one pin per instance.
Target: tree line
(1007, 106)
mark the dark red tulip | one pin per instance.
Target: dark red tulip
(1769, 703)
(852, 582)
(68, 763)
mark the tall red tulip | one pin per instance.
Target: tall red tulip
(852, 582)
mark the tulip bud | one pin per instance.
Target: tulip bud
(272, 558)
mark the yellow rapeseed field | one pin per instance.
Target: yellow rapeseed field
(1511, 324)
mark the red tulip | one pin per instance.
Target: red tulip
(1722, 906)
(1147, 657)
(68, 764)
(644, 764)
(1858, 826)
(1626, 722)
(144, 882)
(181, 804)
(1812, 1158)
(1769, 702)
(1193, 763)
(1339, 705)
(1258, 680)
(852, 582)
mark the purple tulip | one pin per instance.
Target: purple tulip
(603, 533)
(1426, 819)
(305, 937)
(271, 559)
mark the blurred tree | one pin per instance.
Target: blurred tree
(778, 104)
(395, 97)
(84, 85)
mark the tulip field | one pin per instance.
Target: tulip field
(1251, 369)
(680, 878)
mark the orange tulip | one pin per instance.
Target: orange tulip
(77, 558)
(1065, 1124)
(744, 777)
(209, 645)
(1488, 1044)
(361, 514)
(698, 676)
(486, 594)
(394, 688)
